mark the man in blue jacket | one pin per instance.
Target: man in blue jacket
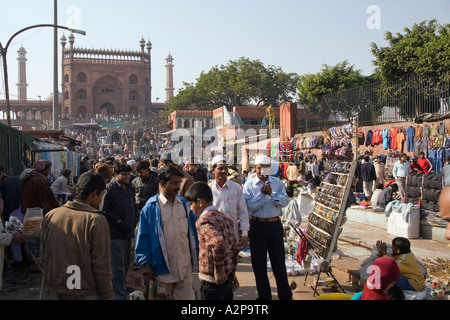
(167, 243)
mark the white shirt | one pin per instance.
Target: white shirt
(315, 169)
(175, 225)
(230, 200)
(60, 186)
(401, 170)
(379, 170)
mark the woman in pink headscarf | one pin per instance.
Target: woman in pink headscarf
(385, 272)
(36, 192)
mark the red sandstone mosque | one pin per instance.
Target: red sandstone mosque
(95, 81)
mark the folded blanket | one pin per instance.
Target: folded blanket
(398, 206)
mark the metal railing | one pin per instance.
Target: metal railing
(382, 102)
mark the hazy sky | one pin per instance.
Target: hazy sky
(298, 36)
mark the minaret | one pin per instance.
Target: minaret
(22, 80)
(149, 50)
(169, 88)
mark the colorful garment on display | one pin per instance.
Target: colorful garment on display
(399, 141)
(386, 134)
(394, 132)
(368, 138)
(377, 137)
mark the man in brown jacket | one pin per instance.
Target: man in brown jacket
(76, 245)
(36, 190)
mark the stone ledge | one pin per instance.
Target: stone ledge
(378, 219)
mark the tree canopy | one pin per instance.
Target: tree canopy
(330, 79)
(239, 83)
(423, 50)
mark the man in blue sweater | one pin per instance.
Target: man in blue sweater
(167, 242)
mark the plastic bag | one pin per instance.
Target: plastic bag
(32, 221)
(421, 295)
(316, 264)
(13, 225)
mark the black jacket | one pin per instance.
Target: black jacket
(368, 172)
(145, 189)
(119, 204)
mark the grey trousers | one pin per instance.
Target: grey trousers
(401, 183)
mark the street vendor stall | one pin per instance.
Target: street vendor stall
(319, 240)
(30, 229)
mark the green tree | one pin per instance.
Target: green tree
(242, 82)
(423, 50)
(413, 66)
(331, 79)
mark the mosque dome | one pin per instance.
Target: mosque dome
(50, 97)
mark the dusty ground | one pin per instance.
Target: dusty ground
(25, 283)
(354, 246)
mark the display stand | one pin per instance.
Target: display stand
(325, 221)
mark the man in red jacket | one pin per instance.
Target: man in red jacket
(415, 167)
(424, 163)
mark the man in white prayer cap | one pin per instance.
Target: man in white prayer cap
(265, 195)
(228, 197)
(132, 163)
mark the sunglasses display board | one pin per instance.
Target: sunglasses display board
(326, 220)
(330, 207)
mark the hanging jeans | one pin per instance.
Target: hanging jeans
(410, 143)
(432, 157)
(423, 146)
(439, 161)
(417, 142)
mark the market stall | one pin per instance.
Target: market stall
(324, 206)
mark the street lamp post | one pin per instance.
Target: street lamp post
(4, 51)
(55, 68)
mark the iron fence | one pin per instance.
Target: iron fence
(408, 99)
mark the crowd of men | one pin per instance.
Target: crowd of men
(124, 212)
(167, 220)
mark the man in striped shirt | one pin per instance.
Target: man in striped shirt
(218, 248)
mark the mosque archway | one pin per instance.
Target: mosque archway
(107, 109)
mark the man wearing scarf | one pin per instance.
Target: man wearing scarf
(36, 192)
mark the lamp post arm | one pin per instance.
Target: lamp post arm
(4, 50)
(41, 26)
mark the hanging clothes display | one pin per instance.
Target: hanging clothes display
(399, 140)
(386, 134)
(410, 133)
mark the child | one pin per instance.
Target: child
(411, 275)
(385, 273)
(218, 245)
